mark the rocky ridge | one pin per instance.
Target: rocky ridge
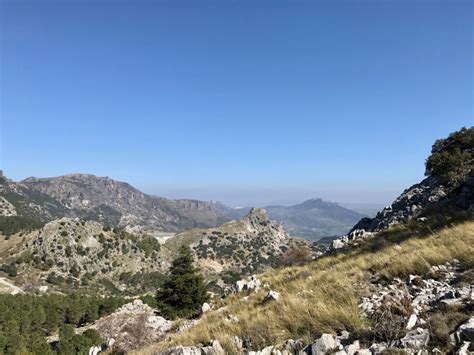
(311, 219)
(245, 245)
(105, 200)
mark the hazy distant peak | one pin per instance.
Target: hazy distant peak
(316, 202)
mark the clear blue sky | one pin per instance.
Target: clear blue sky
(247, 102)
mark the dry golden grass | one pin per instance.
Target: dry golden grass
(322, 296)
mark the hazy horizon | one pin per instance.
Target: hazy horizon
(254, 196)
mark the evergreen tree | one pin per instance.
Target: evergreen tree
(66, 340)
(183, 291)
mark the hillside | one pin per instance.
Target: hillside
(329, 295)
(312, 219)
(71, 252)
(105, 200)
(94, 258)
(243, 246)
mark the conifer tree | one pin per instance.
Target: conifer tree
(183, 291)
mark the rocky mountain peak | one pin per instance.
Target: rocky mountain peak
(257, 215)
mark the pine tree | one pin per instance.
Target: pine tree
(183, 291)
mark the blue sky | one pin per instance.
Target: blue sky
(248, 102)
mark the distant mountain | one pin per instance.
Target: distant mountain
(313, 219)
(105, 200)
(114, 203)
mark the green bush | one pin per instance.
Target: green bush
(149, 244)
(452, 158)
(10, 270)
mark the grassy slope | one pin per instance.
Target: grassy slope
(322, 296)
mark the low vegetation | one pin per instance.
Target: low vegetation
(322, 296)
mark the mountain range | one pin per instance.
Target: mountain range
(118, 204)
(312, 219)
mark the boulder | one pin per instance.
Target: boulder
(206, 307)
(466, 348)
(251, 283)
(324, 344)
(95, 350)
(415, 339)
(378, 348)
(411, 321)
(465, 332)
(231, 318)
(271, 296)
(352, 348)
(214, 348)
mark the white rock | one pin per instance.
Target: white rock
(324, 344)
(352, 348)
(232, 318)
(465, 349)
(95, 350)
(415, 339)
(272, 296)
(465, 332)
(411, 321)
(206, 307)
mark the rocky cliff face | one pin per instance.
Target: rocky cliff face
(118, 203)
(19, 200)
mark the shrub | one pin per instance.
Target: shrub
(452, 158)
(149, 244)
(296, 255)
(10, 270)
(442, 324)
